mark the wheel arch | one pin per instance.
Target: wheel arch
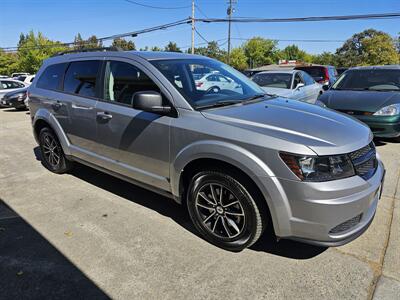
(43, 118)
(214, 154)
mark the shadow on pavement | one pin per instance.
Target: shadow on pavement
(32, 268)
(167, 207)
(382, 142)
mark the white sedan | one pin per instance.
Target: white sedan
(293, 84)
(215, 82)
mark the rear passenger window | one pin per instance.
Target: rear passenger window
(51, 77)
(81, 78)
(123, 80)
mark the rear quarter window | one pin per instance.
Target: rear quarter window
(51, 77)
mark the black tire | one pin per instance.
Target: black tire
(215, 222)
(53, 157)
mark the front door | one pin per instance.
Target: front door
(132, 142)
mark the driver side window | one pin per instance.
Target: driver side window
(297, 80)
(122, 80)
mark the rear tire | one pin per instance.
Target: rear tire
(53, 157)
(232, 221)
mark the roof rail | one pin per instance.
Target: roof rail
(88, 50)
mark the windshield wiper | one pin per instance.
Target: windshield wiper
(219, 104)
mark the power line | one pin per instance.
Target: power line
(111, 37)
(156, 7)
(201, 36)
(303, 19)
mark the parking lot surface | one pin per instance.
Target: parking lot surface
(89, 235)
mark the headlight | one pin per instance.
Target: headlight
(390, 110)
(20, 96)
(319, 168)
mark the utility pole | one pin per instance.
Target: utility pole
(193, 28)
(230, 11)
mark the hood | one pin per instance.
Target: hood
(323, 130)
(370, 101)
(277, 91)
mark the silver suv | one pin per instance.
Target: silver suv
(238, 159)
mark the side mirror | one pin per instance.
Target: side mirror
(149, 101)
(299, 86)
(325, 87)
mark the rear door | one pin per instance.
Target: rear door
(78, 102)
(129, 141)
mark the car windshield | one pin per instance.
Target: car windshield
(273, 80)
(374, 80)
(206, 83)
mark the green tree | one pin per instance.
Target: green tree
(155, 48)
(8, 63)
(32, 50)
(238, 59)
(212, 50)
(91, 43)
(370, 47)
(172, 47)
(293, 52)
(79, 43)
(325, 58)
(123, 44)
(260, 51)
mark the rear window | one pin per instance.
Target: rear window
(81, 78)
(315, 72)
(51, 77)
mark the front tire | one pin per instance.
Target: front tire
(223, 211)
(53, 157)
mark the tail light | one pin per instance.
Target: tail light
(199, 84)
(326, 75)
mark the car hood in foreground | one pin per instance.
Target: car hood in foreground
(370, 101)
(324, 131)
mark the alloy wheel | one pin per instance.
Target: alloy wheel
(51, 150)
(220, 211)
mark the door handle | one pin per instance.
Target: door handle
(104, 116)
(77, 106)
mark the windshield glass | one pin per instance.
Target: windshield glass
(205, 82)
(273, 80)
(379, 80)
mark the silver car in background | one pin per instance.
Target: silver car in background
(293, 84)
(240, 161)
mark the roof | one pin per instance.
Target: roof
(385, 67)
(274, 67)
(155, 55)
(279, 72)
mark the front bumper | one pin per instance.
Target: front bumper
(382, 126)
(332, 213)
(13, 102)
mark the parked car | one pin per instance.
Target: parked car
(28, 79)
(325, 75)
(9, 85)
(215, 82)
(239, 160)
(370, 94)
(294, 84)
(16, 99)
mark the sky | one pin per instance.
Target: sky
(62, 19)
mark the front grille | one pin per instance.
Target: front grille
(346, 225)
(364, 161)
